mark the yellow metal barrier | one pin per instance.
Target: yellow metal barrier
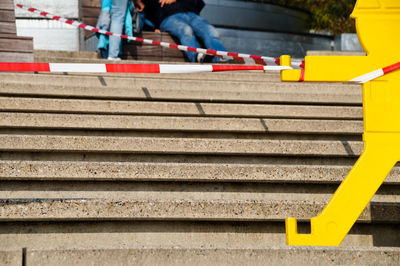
(378, 29)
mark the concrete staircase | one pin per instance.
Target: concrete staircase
(179, 169)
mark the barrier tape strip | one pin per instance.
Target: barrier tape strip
(366, 77)
(376, 74)
(128, 68)
(260, 60)
(165, 69)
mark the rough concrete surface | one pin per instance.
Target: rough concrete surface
(178, 209)
(179, 145)
(178, 108)
(200, 124)
(10, 257)
(181, 89)
(197, 94)
(182, 256)
(206, 172)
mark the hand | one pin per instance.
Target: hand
(166, 2)
(157, 30)
(139, 5)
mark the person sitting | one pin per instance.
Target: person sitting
(181, 19)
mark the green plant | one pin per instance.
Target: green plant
(326, 15)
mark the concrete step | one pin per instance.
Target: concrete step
(220, 256)
(183, 172)
(82, 205)
(174, 92)
(179, 201)
(151, 145)
(24, 104)
(174, 234)
(198, 124)
(185, 83)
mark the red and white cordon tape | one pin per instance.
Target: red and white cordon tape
(128, 68)
(164, 69)
(366, 77)
(376, 74)
(260, 60)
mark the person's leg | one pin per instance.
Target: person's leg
(118, 13)
(206, 32)
(178, 25)
(142, 19)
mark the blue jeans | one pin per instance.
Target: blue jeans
(186, 26)
(118, 13)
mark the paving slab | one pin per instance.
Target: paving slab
(219, 256)
(151, 145)
(23, 104)
(197, 124)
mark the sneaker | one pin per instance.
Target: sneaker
(114, 58)
(200, 58)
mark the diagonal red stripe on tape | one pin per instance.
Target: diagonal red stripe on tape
(133, 68)
(391, 68)
(303, 72)
(191, 49)
(209, 51)
(25, 67)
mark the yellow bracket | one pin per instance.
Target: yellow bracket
(378, 29)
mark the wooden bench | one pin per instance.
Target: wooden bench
(12, 47)
(90, 10)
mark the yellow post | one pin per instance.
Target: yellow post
(378, 29)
